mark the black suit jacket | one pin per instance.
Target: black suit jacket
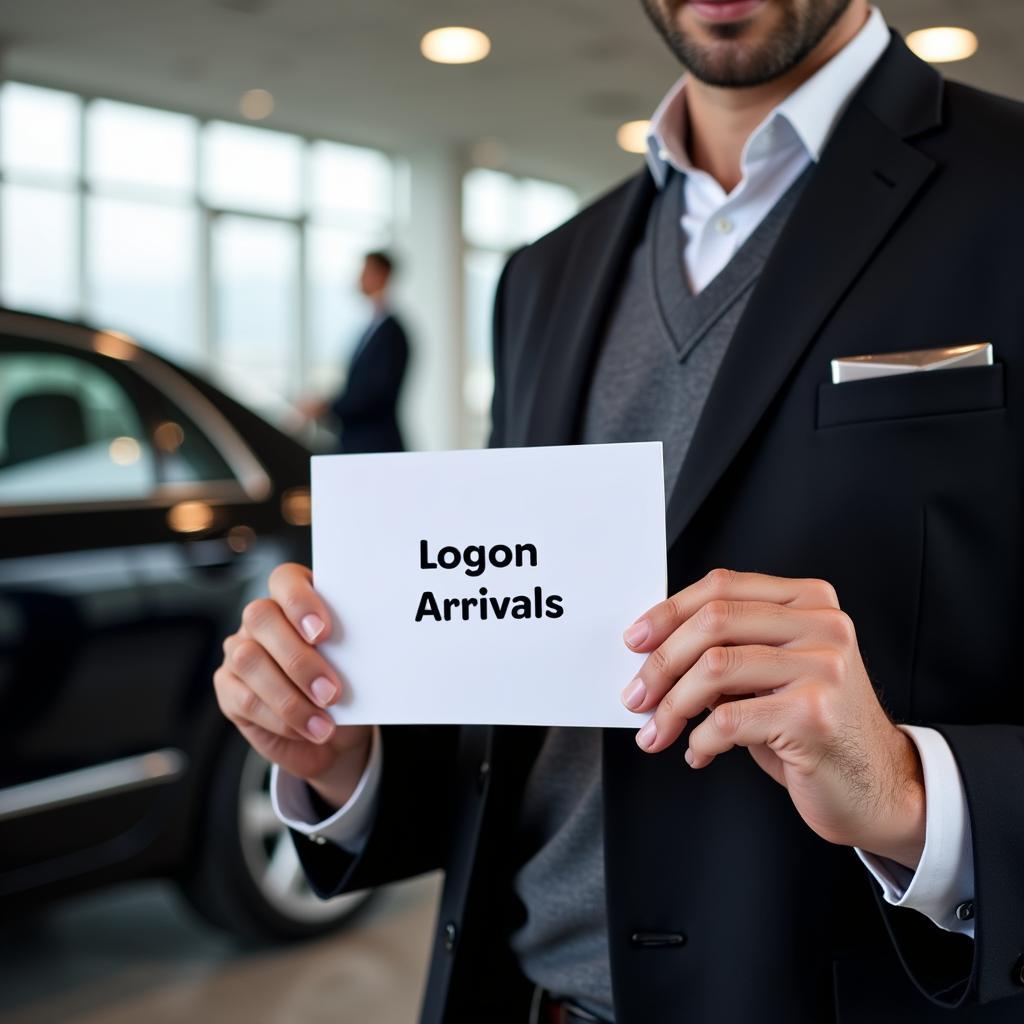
(367, 408)
(905, 492)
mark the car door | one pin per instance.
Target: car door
(126, 549)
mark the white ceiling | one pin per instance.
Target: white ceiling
(562, 74)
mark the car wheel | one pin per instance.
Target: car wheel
(247, 878)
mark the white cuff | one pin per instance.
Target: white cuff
(349, 826)
(942, 887)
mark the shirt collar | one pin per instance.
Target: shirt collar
(810, 112)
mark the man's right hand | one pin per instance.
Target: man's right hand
(274, 685)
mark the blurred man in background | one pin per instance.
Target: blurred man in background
(367, 406)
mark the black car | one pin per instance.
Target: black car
(140, 509)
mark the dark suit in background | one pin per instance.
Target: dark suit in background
(367, 408)
(906, 493)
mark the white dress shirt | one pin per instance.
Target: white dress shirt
(714, 226)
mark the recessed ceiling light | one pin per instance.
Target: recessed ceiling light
(455, 45)
(256, 104)
(632, 136)
(942, 44)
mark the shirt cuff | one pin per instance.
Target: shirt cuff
(349, 826)
(942, 887)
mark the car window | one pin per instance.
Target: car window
(183, 451)
(68, 432)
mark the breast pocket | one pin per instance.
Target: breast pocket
(907, 395)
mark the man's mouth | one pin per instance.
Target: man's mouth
(724, 10)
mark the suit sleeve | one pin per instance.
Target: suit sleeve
(950, 968)
(942, 885)
(301, 808)
(409, 831)
(380, 376)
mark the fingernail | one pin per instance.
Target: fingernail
(647, 735)
(324, 690)
(637, 633)
(688, 757)
(319, 728)
(312, 627)
(634, 694)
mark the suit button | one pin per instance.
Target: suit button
(450, 935)
(319, 840)
(965, 911)
(1018, 971)
(482, 775)
(657, 940)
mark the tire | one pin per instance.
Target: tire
(247, 879)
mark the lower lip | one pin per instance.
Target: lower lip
(726, 10)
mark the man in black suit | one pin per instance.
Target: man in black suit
(367, 407)
(839, 867)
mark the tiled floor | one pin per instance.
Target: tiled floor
(136, 954)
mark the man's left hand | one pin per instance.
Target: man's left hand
(777, 663)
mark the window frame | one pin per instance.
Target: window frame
(205, 313)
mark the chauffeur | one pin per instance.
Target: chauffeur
(812, 191)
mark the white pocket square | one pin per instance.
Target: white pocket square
(885, 364)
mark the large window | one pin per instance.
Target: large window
(255, 304)
(141, 148)
(252, 169)
(142, 274)
(499, 214)
(39, 255)
(352, 200)
(230, 248)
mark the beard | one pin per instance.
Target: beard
(729, 62)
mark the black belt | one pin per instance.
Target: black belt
(548, 1009)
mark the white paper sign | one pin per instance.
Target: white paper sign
(488, 587)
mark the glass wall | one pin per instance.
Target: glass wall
(500, 213)
(40, 205)
(226, 247)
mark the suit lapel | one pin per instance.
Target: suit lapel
(866, 178)
(576, 330)
(368, 335)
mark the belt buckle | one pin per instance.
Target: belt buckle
(558, 1013)
(545, 1009)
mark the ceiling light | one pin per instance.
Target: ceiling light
(455, 45)
(940, 45)
(256, 104)
(632, 136)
